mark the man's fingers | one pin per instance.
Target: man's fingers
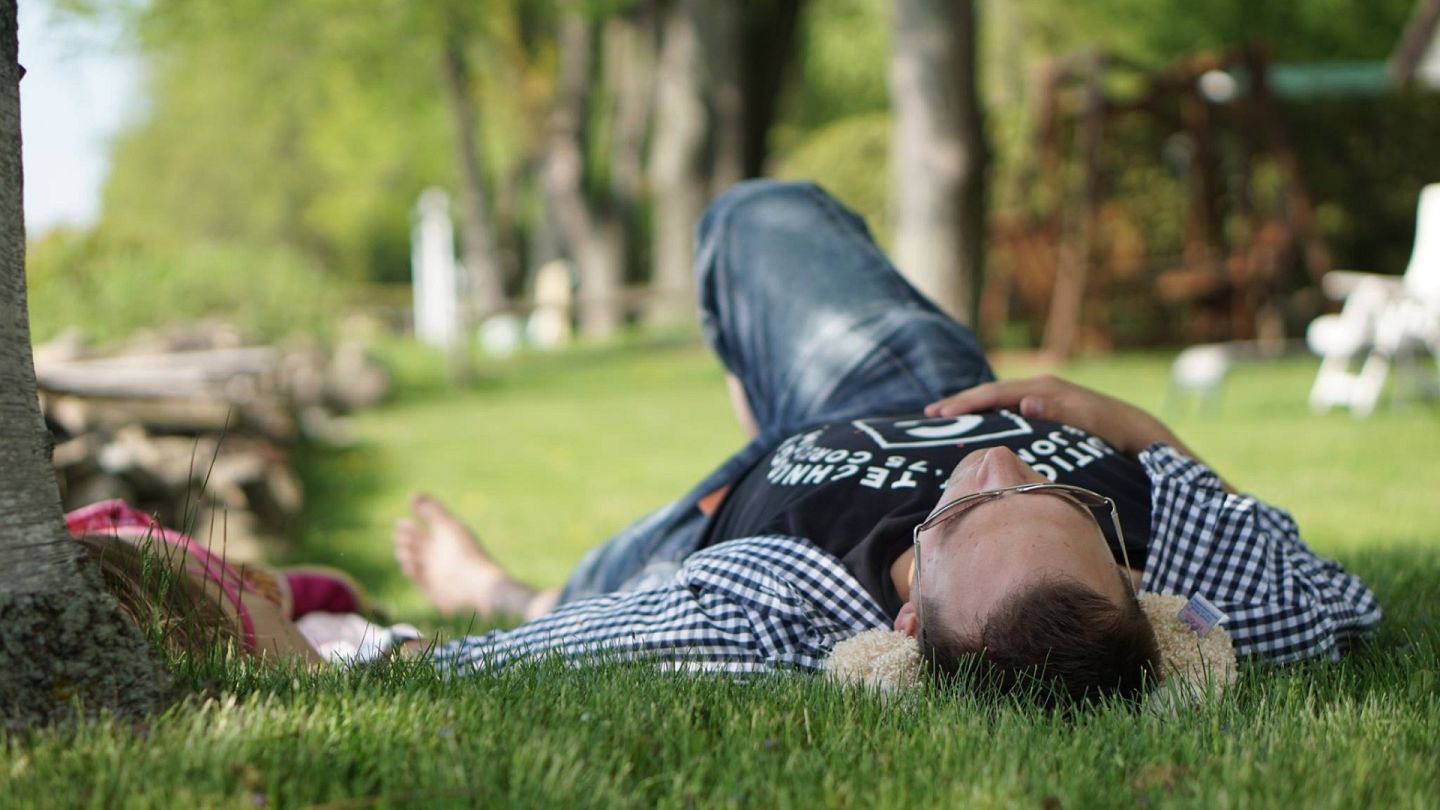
(1032, 407)
(981, 398)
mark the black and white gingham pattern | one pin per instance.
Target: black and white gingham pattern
(765, 602)
(1284, 602)
(739, 607)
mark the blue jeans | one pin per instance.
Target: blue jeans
(801, 305)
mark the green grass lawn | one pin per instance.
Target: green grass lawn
(546, 455)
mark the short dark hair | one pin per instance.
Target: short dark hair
(1054, 640)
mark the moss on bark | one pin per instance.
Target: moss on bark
(70, 654)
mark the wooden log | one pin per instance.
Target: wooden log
(274, 497)
(77, 455)
(1063, 323)
(234, 375)
(81, 414)
(353, 380)
(159, 465)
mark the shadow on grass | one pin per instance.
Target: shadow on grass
(336, 481)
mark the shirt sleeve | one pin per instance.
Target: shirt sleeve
(1283, 601)
(739, 607)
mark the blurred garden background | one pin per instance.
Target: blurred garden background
(1074, 180)
(1094, 187)
(1204, 165)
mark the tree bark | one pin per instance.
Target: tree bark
(768, 33)
(1072, 272)
(65, 644)
(678, 182)
(722, 43)
(629, 67)
(592, 237)
(939, 151)
(482, 267)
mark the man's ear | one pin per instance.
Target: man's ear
(908, 621)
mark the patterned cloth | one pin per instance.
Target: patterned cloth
(1283, 601)
(778, 602)
(742, 607)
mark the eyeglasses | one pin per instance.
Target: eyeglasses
(953, 509)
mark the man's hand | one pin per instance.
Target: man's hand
(1126, 427)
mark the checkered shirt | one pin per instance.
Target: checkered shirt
(740, 607)
(763, 603)
(1283, 602)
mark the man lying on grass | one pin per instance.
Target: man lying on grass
(890, 481)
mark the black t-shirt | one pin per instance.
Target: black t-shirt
(858, 488)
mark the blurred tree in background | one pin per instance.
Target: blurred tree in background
(289, 140)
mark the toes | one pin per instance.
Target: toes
(407, 533)
(408, 537)
(427, 508)
(435, 514)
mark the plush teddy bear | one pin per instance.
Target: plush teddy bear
(1190, 666)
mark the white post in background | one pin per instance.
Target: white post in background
(549, 323)
(435, 276)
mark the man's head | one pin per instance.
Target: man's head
(1024, 586)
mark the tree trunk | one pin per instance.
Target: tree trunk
(1072, 272)
(65, 643)
(592, 237)
(678, 183)
(482, 268)
(939, 151)
(629, 67)
(720, 33)
(768, 33)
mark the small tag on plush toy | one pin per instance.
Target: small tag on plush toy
(1200, 615)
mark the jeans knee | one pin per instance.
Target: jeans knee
(758, 203)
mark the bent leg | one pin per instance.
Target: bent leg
(814, 321)
(803, 307)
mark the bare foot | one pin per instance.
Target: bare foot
(446, 562)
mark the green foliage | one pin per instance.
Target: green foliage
(834, 126)
(850, 157)
(310, 125)
(1367, 178)
(109, 291)
(1363, 160)
(1156, 31)
(843, 67)
(231, 150)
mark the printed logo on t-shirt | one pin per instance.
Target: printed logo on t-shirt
(893, 434)
(804, 461)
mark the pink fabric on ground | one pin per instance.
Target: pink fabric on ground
(312, 591)
(116, 518)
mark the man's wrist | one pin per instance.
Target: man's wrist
(1142, 430)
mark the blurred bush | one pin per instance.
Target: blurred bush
(1365, 161)
(110, 290)
(851, 159)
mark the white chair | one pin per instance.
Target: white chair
(1385, 320)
